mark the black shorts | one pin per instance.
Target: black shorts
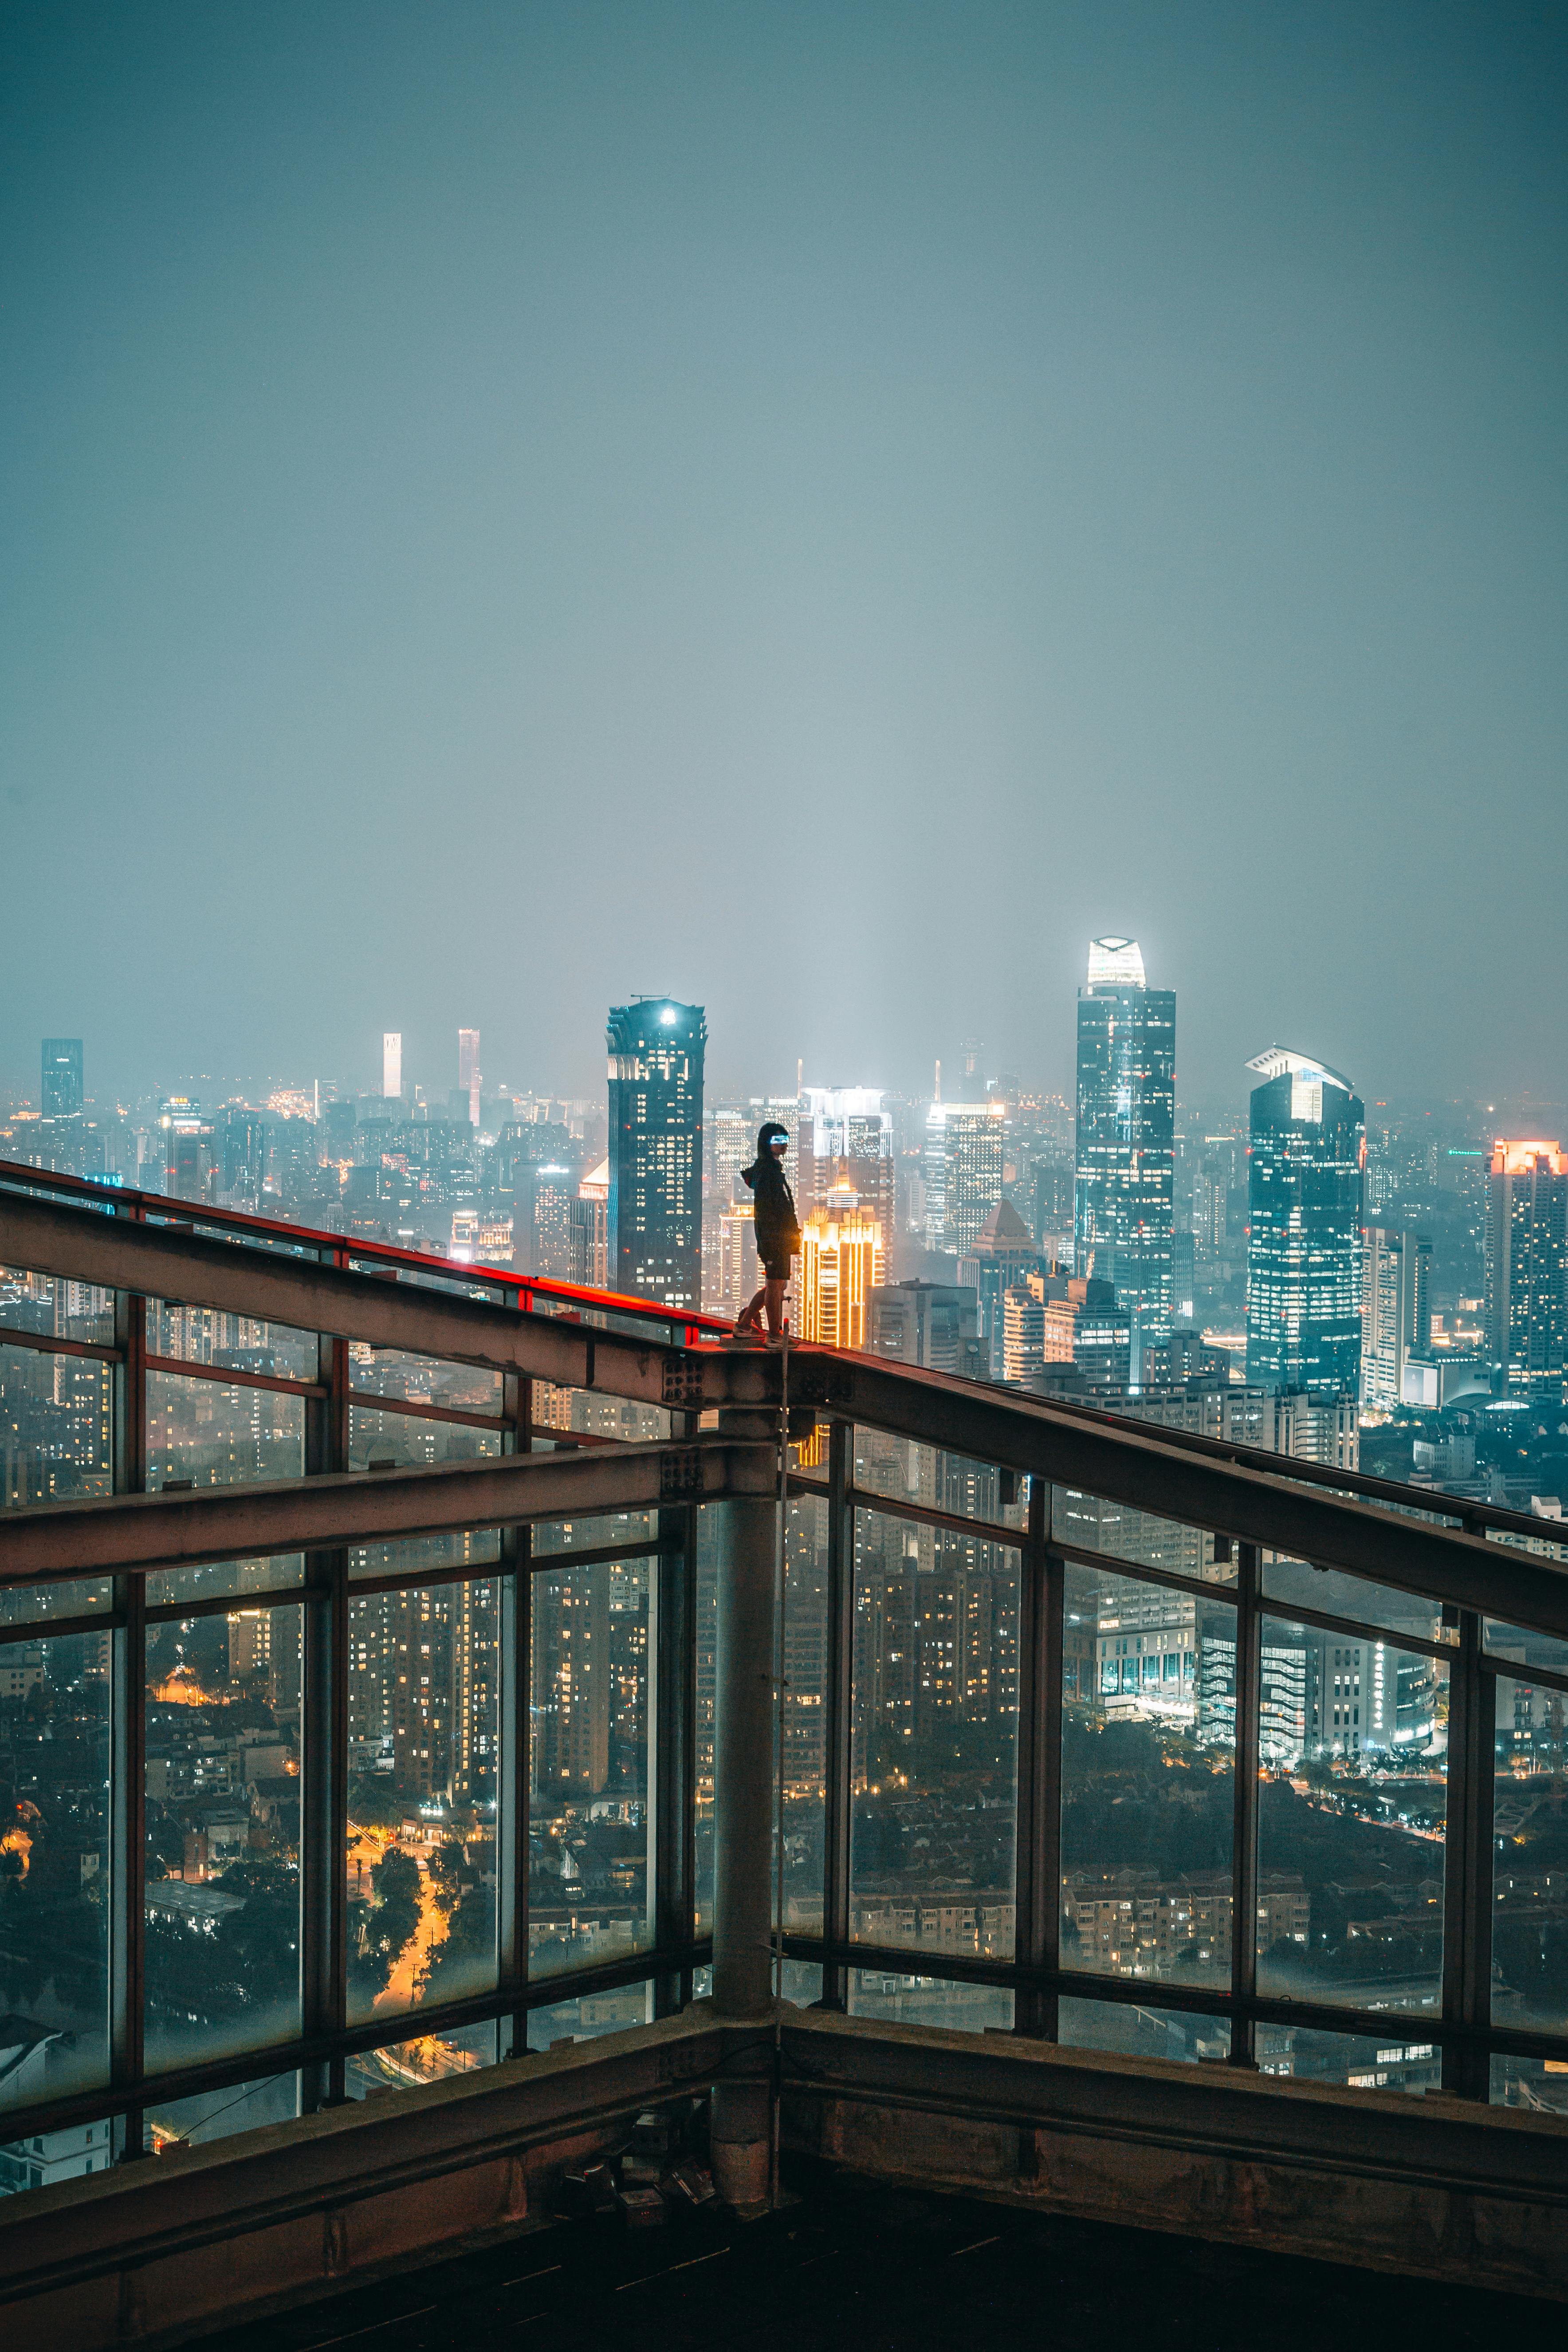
(774, 1269)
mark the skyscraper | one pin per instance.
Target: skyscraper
(656, 1049)
(1395, 1313)
(841, 1264)
(1304, 1207)
(962, 1169)
(469, 1071)
(1527, 1266)
(392, 1063)
(1124, 1190)
(60, 1096)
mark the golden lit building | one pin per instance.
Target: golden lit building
(841, 1261)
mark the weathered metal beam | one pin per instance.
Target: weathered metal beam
(128, 1533)
(1126, 1463)
(269, 1286)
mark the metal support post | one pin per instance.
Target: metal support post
(127, 1734)
(743, 1815)
(1037, 1853)
(838, 1730)
(513, 1772)
(1243, 1850)
(1468, 1892)
(323, 1749)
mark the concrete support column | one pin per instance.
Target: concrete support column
(743, 1816)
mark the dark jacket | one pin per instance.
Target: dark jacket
(778, 1229)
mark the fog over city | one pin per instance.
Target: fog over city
(820, 511)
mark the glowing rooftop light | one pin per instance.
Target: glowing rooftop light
(668, 1016)
(1115, 963)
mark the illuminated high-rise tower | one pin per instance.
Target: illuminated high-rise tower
(962, 1171)
(392, 1063)
(469, 1071)
(656, 1048)
(841, 1263)
(62, 1093)
(1307, 1144)
(1124, 1190)
(1527, 1267)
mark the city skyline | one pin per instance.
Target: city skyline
(1131, 450)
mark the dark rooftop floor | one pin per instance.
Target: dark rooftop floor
(866, 2266)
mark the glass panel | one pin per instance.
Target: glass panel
(400, 1441)
(588, 1766)
(223, 1835)
(805, 1717)
(706, 1635)
(585, 1410)
(53, 1874)
(423, 1379)
(56, 1427)
(217, 2115)
(592, 2013)
(1295, 1582)
(430, 2058)
(594, 1535)
(66, 2155)
(1360, 2061)
(217, 1436)
(423, 1726)
(930, 2001)
(32, 1604)
(935, 1737)
(896, 1467)
(1148, 1756)
(59, 1310)
(218, 1580)
(1530, 1849)
(1352, 1817)
(453, 1549)
(204, 1335)
(1517, 1642)
(1096, 1525)
(1133, 2031)
(1538, 2083)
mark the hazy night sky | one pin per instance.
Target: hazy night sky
(818, 510)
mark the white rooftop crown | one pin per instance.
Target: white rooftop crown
(1115, 963)
(1278, 1060)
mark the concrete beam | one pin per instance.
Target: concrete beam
(128, 1533)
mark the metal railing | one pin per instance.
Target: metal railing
(1034, 1537)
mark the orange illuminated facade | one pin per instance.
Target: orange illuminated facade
(841, 1261)
(1515, 1158)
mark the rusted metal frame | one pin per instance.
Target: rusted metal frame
(45, 1344)
(1467, 1892)
(179, 1368)
(133, 1533)
(306, 1295)
(837, 1727)
(368, 1401)
(1244, 1832)
(1125, 1463)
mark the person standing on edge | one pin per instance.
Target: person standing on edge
(777, 1228)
